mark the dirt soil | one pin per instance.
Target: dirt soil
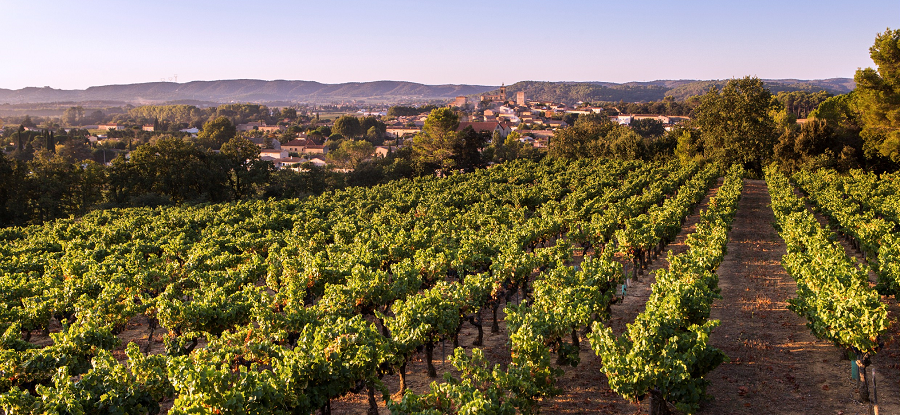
(776, 365)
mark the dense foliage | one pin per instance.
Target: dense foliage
(833, 291)
(280, 306)
(665, 352)
(597, 136)
(878, 97)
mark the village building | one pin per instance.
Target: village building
(260, 126)
(261, 142)
(489, 127)
(289, 162)
(499, 97)
(272, 154)
(315, 149)
(403, 131)
(520, 98)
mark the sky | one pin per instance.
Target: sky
(68, 44)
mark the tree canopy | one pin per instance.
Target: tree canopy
(878, 97)
(216, 132)
(596, 136)
(347, 126)
(435, 144)
(351, 152)
(736, 124)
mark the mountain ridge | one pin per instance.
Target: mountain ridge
(255, 90)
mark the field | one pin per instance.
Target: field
(319, 305)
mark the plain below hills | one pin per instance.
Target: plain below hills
(249, 90)
(680, 90)
(244, 90)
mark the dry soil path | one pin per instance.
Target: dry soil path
(776, 365)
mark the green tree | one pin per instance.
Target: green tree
(469, 146)
(351, 152)
(369, 122)
(878, 98)
(291, 184)
(373, 129)
(688, 145)
(400, 111)
(585, 138)
(434, 146)
(333, 142)
(28, 123)
(289, 113)
(323, 131)
(13, 197)
(241, 113)
(736, 125)
(375, 136)
(171, 169)
(347, 126)
(827, 139)
(839, 111)
(801, 103)
(215, 133)
(648, 127)
(73, 116)
(52, 187)
(246, 172)
(625, 144)
(95, 117)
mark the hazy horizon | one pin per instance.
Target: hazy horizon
(102, 42)
(399, 80)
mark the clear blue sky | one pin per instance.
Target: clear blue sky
(75, 44)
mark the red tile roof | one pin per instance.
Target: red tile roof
(488, 126)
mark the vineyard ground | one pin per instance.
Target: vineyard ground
(584, 388)
(887, 361)
(777, 366)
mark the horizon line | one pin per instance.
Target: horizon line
(413, 82)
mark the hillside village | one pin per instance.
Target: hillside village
(291, 143)
(534, 122)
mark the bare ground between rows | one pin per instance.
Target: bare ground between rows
(584, 388)
(887, 361)
(776, 365)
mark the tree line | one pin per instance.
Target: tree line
(47, 175)
(743, 122)
(51, 176)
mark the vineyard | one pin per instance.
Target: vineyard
(477, 293)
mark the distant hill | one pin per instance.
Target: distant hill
(244, 90)
(571, 92)
(249, 90)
